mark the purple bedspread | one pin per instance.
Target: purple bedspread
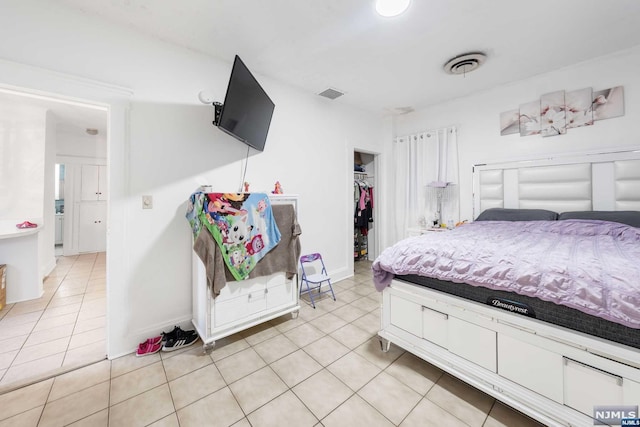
(592, 266)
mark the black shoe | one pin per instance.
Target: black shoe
(178, 339)
(166, 336)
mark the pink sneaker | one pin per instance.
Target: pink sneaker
(148, 348)
(154, 340)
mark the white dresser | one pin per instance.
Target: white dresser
(241, 304)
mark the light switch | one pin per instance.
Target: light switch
(147, 202)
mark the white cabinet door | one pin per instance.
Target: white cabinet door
(93, 184)
(92, 230)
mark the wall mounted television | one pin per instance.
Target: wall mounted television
(247, 109)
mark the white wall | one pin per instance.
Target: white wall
(87, 146)
(22, 162)
(172, 148)
(478, 117)
(46, 238)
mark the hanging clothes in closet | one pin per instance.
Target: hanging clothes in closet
(363, 215)
(363, 200)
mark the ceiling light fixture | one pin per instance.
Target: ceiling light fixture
(391, 8)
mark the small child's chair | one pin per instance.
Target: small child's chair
(313, 263)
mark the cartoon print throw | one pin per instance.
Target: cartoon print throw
(242, 225)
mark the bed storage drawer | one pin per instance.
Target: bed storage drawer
(586, 387)
(406, 315)
(474, 343)
(434, 326)
(537, 369)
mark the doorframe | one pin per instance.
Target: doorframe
(39, 82)
(374, 251)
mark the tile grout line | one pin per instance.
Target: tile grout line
(50, 299)
(31, 331)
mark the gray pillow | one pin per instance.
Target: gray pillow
(631, 218)
(500, 214)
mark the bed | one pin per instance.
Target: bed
(499, 304)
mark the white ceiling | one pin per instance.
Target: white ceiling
(385, 63)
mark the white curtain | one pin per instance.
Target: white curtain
(421, 159)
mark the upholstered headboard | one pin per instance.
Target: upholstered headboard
(606, 181)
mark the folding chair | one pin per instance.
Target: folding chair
(313, 264)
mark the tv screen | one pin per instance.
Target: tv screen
(247, 109)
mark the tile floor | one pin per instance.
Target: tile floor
(62, 330)
(323, 368)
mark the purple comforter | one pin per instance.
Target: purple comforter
(592, 266)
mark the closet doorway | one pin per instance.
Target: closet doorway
(66, 327)
(365, 211)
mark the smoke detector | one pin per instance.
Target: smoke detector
(464, 64)
(331, 93)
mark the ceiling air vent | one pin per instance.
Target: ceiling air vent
(464, 64)
(331, 93)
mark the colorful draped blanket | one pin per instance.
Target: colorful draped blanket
(242, 225)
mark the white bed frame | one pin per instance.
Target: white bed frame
(550, 373)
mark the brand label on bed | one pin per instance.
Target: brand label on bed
(513, 306)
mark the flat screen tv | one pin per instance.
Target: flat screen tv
(247, 109)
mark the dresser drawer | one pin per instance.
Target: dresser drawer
(234, 289)
(238, 309)
(281, 294)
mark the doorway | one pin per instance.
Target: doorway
(66, 327)
(365, 212)
(58, 177)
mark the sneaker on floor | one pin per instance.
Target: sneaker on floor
(154, 340)
(180, 339)
(166, 336)
(147, 348)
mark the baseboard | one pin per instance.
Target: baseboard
(343, 273)
(142, 334)
(48, 268)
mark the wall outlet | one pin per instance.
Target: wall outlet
(147, 202)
